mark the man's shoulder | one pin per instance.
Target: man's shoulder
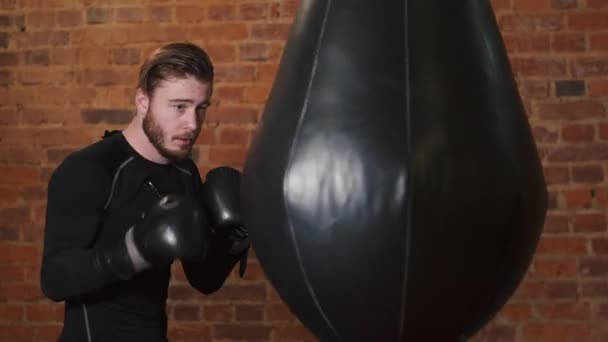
(104, 156)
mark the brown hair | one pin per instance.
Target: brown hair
(175, 60)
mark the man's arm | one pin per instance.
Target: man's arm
(229, 243)
(76, 196)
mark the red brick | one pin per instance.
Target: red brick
(47, 332)
(603, 131)
(232, 115)
(44, 312)
(553, 245)
(287, 9)
(564, 4)
(270, 31)
(254, 272)
(105, 77)
(266, 72)
(241, 332)
(186, 312)
(221, 12)
(551, 268)
(577, 198)
(12, 272)
(218, 312)
(574, 311)
(531, 22)
(599, 246)
(19, 175)
(533, 5)
(230, 155)
(253, 52)
(249, 292)
(129, 15)
(231, 94)
(587, 174)
(9, 59)
(158, 13)
(556, 175)
(69, 18)
(6, 77)
(597, 4)
(545, 134)
(279, 313)
(207, 136)
(558, 290)
(11, 313)
(253, 11)
(126, 56)
(516, 312)
(197, 331)
(587, 21)
(20, 292)
(221, 53)
(496, 333)
(99, 15)
(234, 73)
(572, 110)
(65, 56)
(598, 41)
(40, 19)
(15, 333)
(590, 66)
(569, 42)
(226, 31)
(556, 223)
(594, 288)
(578, 133)
(249, 313)
(233, 136)
(256, 94)
(593, 267)
(580, 153)
(9, 195)
(8, 4)
(21, 156)
(293, 333)
(589, 222)
(525, 66)
(189, 13)
(182, 292)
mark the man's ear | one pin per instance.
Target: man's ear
(142, 102)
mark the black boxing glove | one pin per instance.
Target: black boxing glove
(173, 228)
(221, 199)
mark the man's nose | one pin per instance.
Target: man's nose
(191, 120)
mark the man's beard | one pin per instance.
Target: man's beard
(155, 134)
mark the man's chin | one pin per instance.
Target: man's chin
(177, 155)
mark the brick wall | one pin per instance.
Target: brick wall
(67, 72)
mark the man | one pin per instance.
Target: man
(121, 210)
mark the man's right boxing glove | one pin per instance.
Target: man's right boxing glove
(170, 230)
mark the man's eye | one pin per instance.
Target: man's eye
(179, 107)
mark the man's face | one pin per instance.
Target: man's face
(175, 114)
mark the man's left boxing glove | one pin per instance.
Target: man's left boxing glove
(221, 198)
(169, 230)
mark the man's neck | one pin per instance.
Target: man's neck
(135, 136)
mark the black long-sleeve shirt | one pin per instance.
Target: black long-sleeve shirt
(94, 196)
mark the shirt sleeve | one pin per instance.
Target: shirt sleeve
(77, 192)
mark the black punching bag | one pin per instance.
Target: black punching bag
(393, 190)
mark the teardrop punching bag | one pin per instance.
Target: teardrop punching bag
(393, 191)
